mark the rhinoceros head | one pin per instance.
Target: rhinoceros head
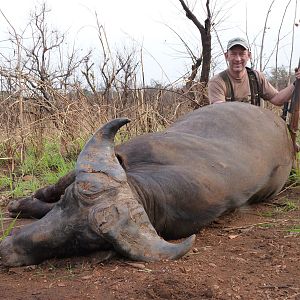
(98, 211)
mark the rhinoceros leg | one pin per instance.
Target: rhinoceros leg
(42, 201)
(29, 207)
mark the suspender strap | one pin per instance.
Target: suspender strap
(229, 96)
(254, 86)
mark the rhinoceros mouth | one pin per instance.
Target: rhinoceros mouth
(117, 215)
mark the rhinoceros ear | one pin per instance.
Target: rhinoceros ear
(124, 223)
(97, 167)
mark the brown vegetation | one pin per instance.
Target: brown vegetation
(48, 91)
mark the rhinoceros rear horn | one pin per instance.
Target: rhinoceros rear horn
(125, 224)
(98, 159)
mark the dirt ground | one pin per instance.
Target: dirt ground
(252, 253)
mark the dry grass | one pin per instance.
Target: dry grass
(51, 91)
(71, 117)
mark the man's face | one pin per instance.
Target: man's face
(237, 58)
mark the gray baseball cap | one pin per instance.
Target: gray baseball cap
(238, 41)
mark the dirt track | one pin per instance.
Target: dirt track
(252, 253)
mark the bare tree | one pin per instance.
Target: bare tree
(261, 68)
(204, 61)
(46, 62)
(278, 40)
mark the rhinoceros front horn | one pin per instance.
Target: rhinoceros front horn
(116, 214)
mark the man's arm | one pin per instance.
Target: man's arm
(285, 94)
(216, 91)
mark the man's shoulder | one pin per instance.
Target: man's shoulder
(217, 77)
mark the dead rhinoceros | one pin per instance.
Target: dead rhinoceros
(166, 184)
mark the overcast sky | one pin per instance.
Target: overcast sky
(146, 24)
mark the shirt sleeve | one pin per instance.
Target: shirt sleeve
(268, 90)
(216, 90)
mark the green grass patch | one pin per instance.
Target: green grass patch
(38, 169)
(50, 160)
(268, 213)
(295, 229)
(6, 183)
(6, 231)
(22, 188)
(289, 205)
(295, 172)
(266, 225)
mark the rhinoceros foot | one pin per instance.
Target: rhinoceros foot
(29, 207)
